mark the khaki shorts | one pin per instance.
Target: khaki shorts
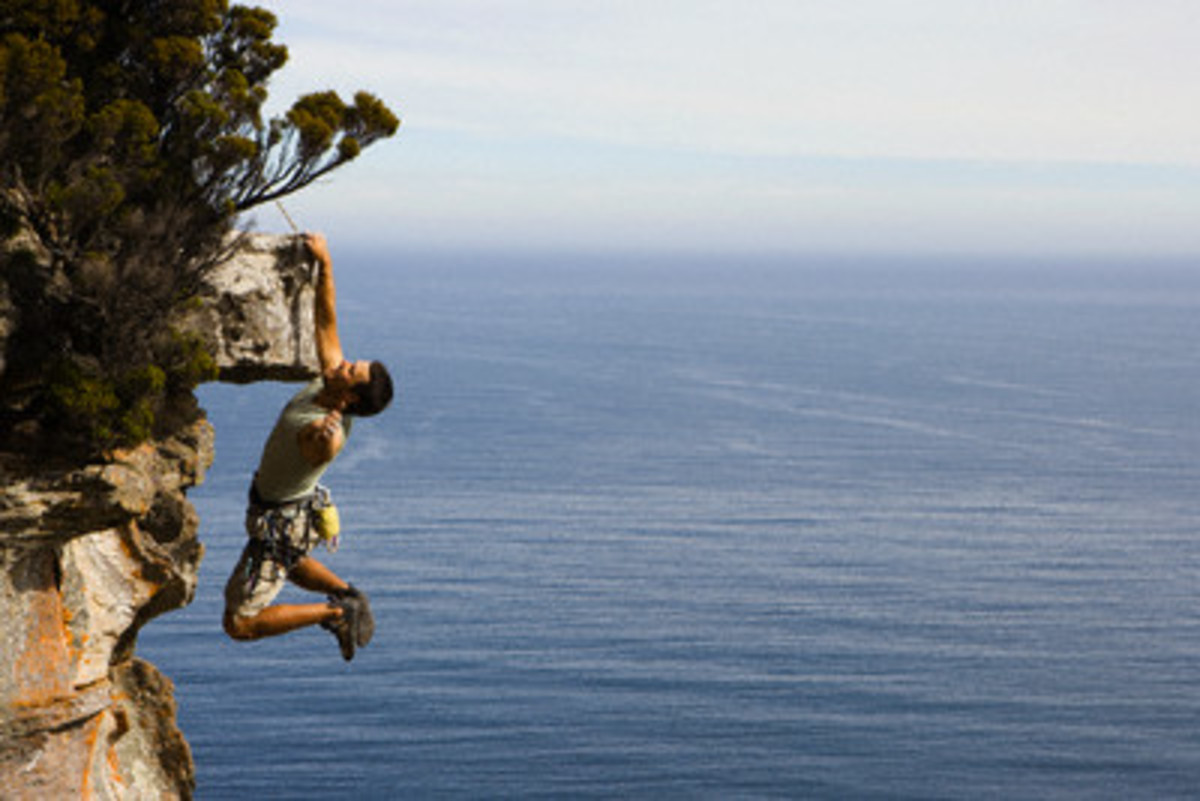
(255, 583)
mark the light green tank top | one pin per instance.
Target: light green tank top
(283, 472)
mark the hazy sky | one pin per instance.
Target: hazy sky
(981, 126)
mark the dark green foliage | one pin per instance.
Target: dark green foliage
(131, 135)
(123, 407)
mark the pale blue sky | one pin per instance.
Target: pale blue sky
(943, 126)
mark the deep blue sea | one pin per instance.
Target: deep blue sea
(730, 528)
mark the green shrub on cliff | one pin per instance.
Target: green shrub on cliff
(131, 135)
(124, 407)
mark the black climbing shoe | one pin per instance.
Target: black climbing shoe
(364, 621)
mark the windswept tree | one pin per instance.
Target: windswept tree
(132, 134)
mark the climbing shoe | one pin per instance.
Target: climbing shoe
(364, 621)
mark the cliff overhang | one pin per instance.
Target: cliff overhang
(92, 552)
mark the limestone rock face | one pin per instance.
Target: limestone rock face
(90, 553)
(256, 311)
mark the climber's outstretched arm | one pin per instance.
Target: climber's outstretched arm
(329, 345)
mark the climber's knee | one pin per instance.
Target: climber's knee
(238, 627)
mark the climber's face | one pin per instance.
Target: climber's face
(347, 375)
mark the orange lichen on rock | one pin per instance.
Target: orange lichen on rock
(44, 667)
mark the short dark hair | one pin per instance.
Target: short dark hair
(373, 396)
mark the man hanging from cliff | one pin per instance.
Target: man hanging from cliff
(289, 513)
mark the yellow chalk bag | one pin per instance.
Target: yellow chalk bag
(327, 522)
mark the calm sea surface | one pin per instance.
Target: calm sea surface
(733, 530)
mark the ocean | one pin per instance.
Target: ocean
(722, 528)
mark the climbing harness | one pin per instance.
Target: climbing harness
(285, 532)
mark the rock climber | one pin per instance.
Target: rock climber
(289, 513)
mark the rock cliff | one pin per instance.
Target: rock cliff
(255, 311)
(90, 553)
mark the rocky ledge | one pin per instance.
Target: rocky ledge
(92, 552)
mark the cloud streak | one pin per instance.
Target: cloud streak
(1046, 80)
(1103, 84)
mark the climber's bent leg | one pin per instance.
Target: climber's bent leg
(281, 619)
